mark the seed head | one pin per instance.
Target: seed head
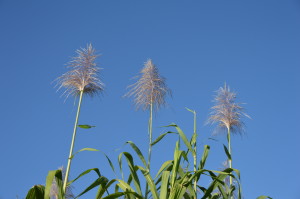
(84, 74)
(227, 114)
(149, 89)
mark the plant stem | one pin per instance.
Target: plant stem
(229, 150)
(72, 143)
(150, 135)
(150, 141)
(195, 153)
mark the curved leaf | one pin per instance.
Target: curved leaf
(100, 181)
(102, 189)
(227, 152)
(138, 152)
(84, 173)
(204, 157)
(263, 197)
(164, 166)
(150, 182)
(161, 137)
(184, 138)
(133, 173)
(36, 192)
(84, 149)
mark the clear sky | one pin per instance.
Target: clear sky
(253, 46)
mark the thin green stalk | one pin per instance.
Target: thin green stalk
(150, 135)
(73, 141)
(229, 150)
(195, 152)
(150, 141)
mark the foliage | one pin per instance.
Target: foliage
(173, 180)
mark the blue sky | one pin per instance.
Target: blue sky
(253, 46)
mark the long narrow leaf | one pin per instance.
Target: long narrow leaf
(102, 189)
(84, 149)
(119, 194)
(138, 152)
(84, 173)
(165, 166)
(100, 181)
(133, 173)
(126, 188)
(184, 138)
(177, 158)
(227, 152)
(164, 185)
(110, 162)
(150, 182)
(263, 197)
(204, 157)
(161, 137)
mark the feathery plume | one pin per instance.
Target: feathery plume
(149, 89)
(227, 114)
(84, 75)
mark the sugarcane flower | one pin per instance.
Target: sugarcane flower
(84, 74)
(150, 88)
(226, 113)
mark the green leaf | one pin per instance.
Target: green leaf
(109, 161)
(227, 152)
(213, 139)
(190, 110)
(102, 189)
(57, 176)
(150, 182)
(184, 138)
(100, 181)
(85, 126)
(165, 166)
(240, 192)
(164, 185)
(126, 188)
(218, 181)
(161, 137)
(115, 195)
(138, 152)
(36, 192)
(194, 139)
(133, 173)
(177, 158)
(126, 193)
(204, 156)
(84, 149)
(87, 149)
(263, 197)
(84, 173)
